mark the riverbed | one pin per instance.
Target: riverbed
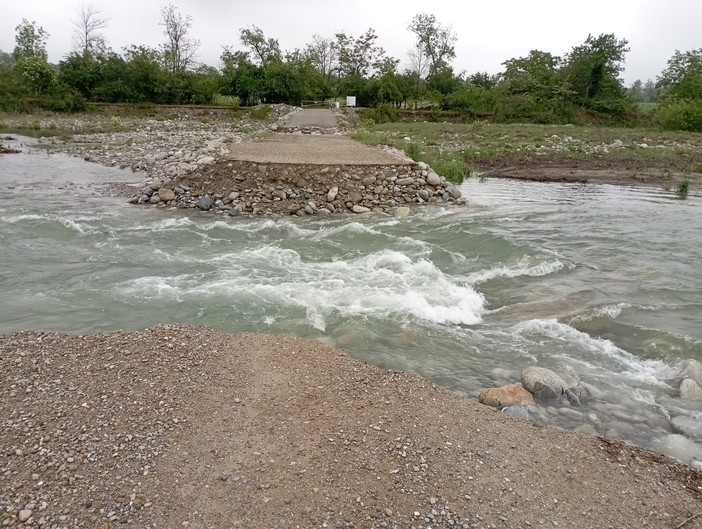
(598, 283)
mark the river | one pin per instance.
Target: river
(602, 284)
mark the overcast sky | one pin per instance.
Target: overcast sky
(489, 31)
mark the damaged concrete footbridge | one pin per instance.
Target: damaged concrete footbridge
(307, 167)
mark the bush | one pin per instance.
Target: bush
(681, 115)
(382, 114)
(68, 102)
(260, 113)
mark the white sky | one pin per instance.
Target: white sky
(489, 31)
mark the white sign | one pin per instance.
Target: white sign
(350, 101)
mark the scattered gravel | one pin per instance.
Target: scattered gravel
(182, 426)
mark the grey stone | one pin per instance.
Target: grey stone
(401, 212)
(368, 181)
(206, 160)
(204, 203)
(518, 412)
(155, 199)
(355, 197)
(690, 390)
(543, 393)
(533, 374)
(24, 515)
(331, 195)
(233, 195)
(360, 209)
(404, 181)
(453, 192)
(433, 179)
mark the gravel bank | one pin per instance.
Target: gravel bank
(179, 426)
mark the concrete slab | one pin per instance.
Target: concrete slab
(313, 118)
(313, 150)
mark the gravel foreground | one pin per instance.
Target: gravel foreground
(180, 426)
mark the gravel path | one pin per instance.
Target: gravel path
(179, 426)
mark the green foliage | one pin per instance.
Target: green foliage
(30, 41)
(71, 102)
(683, 188)
(592, 70)
(36, 73)
(681, 115)
(682, 78)
(382, 114)
(472, 100)
(260, 113)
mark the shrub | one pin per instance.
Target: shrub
(260, 113)
(382, 114)
(681, 115)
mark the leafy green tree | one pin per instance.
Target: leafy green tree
(145, 79)
(263, 50)
(592, 70)
(241, 78)
(358, 55)
(682, 77)
(444, 81)
(80, 72)
(438, 42)
(681, 82)
(482, 79)
(30, 40)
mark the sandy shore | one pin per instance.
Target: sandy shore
(180, 426)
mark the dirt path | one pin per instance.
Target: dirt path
(179, 426)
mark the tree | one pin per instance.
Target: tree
(682, 78)
(264, 50)
(86, 29)
(592, 71)
(437, 41)
(30, 40)
(418, 70)
(360, 55)
(180, 52)
(321, 54)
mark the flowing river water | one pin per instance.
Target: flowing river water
(602, 284)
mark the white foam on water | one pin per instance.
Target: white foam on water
(611, 311)
(525, 267)
(382, 284)
(639, 370)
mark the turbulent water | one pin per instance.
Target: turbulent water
(601, 284)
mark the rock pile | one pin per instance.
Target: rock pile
(237, 187)
(544, 395)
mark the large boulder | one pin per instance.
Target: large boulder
(511, 395)
(690, 390)
(204, 203)
(533, 374)
(166, 194)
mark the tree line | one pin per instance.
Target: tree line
(540, 87)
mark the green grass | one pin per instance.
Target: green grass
(457, 148)
(683, 188)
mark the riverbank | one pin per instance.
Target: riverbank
(181, 426)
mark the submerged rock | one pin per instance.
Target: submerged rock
(690, 390)
(688, 426)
